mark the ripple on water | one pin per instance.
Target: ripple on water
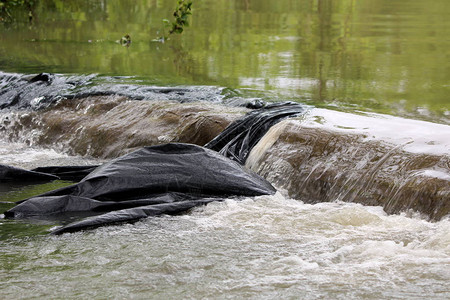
(270, 247)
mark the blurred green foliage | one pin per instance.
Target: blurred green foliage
(7, 6)
(181, 14)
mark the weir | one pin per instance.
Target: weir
(337, 167)
(328, 160)
(320, 156)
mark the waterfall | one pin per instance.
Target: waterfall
(321, 155)
(318, 161)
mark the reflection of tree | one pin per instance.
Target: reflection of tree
(324, 55)
(346, 50)
(185, 64)
(22, 8)
(247, 4)
(324, 13)
(182, 61)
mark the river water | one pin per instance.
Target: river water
(268, 247)
(373, 55)
(378, 56)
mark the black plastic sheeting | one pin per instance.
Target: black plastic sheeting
(71, 173)
(175, 167)
(13, 174)
(239, 138)
(165, 179)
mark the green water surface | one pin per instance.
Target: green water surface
(9, 195)
(388, 56)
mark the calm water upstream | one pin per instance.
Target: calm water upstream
(372, 55)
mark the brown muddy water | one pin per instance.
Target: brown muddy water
(267, 247)
(373, 56)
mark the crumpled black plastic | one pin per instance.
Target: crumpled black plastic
(13, 174)
(239, 138)
(71, 173)
(175, 167)
(164, 179)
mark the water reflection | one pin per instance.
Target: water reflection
(379, 55)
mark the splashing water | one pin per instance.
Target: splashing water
(265, 247)
(29, 91)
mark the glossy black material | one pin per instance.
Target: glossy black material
(164, 179)
(239, 138)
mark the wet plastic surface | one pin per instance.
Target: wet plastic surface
(165, 179)
(238, 139)
(11, 174)
(71, 173)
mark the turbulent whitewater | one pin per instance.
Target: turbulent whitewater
(285, 245)
(268, 247)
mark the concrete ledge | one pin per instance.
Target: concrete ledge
(326, 155)
(324, 158)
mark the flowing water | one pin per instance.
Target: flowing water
(264, 247)
(270, 247)
(378, 56)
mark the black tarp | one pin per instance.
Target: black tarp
(12, 178)
(165, 179)
(71, 173)
(239, 138)
(132, 215)
(174, 167)
(13, 174)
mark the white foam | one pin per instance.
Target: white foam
(263, 247)
(414, 135)
(24, 156)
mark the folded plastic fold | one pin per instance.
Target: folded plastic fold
(164, 179)
(239, 138)
(132, 215)
(11, 174)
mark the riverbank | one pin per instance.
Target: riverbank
(399, 164)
